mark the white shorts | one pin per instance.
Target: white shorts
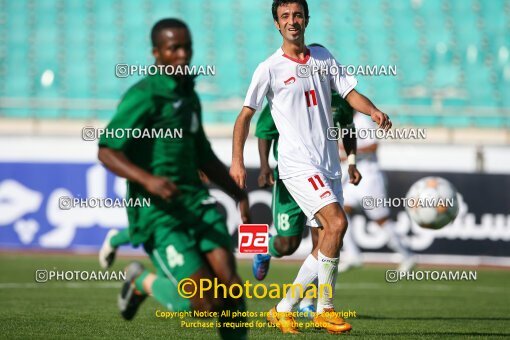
(373, 184)
(313, 192)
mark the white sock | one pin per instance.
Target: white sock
(350, 248)
(395, 243)
(309, 301)
(328, 271)
(306, 275)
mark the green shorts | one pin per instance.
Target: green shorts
(177, 252)
(289, 219)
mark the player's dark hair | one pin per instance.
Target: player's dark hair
(316, 45)
(278, 3)
(164, 24)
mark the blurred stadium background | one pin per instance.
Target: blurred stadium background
(58, 57)
(57, 65)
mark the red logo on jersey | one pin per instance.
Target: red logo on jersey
(289, 81)
(326, 194)
(253, 238)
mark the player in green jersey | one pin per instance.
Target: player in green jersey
(182, 231)
(115, 238)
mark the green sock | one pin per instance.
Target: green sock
(139, 282)
(166, 293)
(122, 238)
(272, 249)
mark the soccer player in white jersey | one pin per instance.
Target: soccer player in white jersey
(372, 185)
(308, 161)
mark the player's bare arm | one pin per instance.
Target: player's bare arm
(241, 130)
(368, 149)
(362, 104)
(217, 172)
(120, 165)
(350, 145)
(266, 178)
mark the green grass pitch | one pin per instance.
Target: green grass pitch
(425, 309)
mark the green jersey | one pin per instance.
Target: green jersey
(266, 129)
(166, 116)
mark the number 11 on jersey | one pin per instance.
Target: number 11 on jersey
(310, 95)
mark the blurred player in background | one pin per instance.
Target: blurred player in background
(182, 231)
(113, 240)
(373, 185)
(308, 161)
(288, 218)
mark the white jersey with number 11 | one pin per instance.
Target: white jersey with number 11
(300, 104)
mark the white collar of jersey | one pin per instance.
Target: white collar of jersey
(299, 61)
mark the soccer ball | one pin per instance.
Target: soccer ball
(432, 202)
